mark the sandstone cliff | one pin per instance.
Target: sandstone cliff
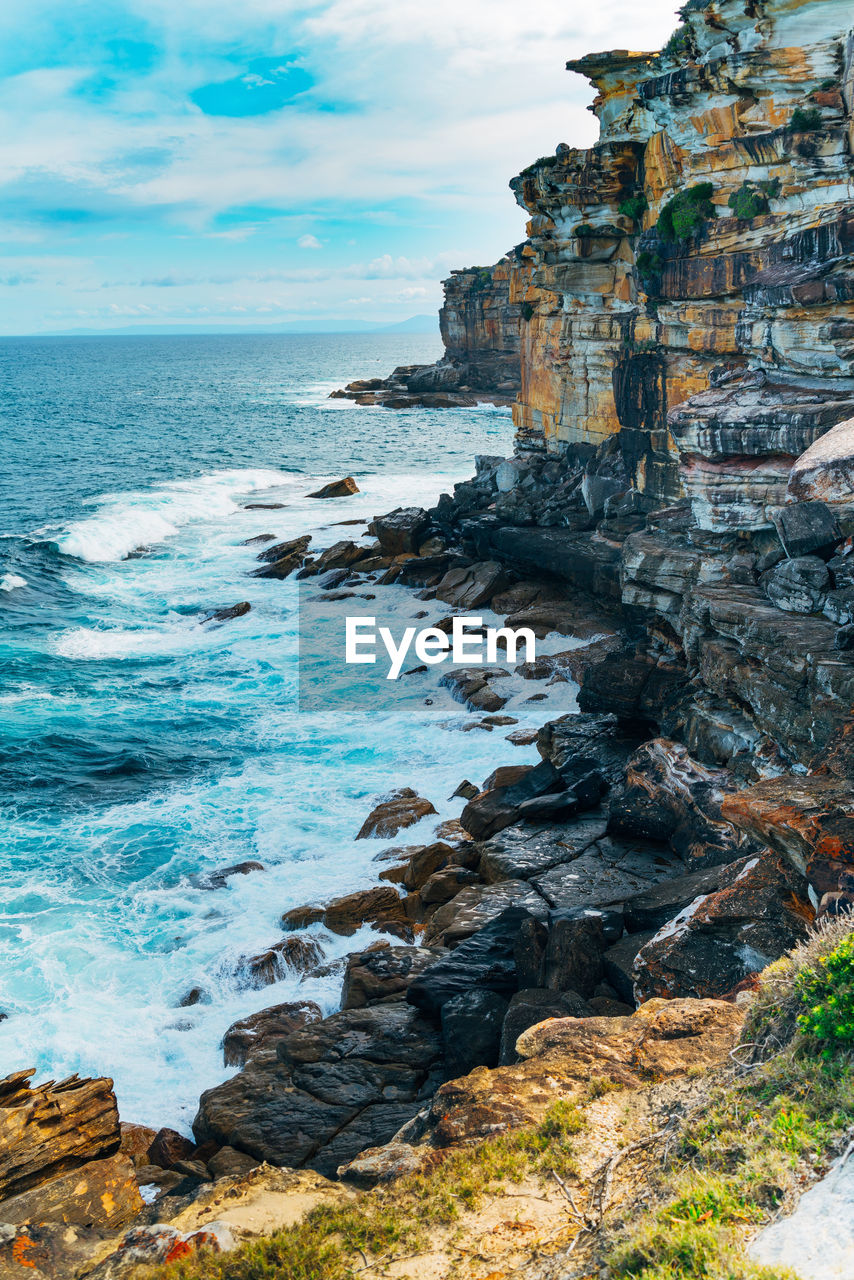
(480, 326)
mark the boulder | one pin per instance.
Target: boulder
(52, 1129)
(225, 615)
(807, 528)
(573, 956)
(368, 906)
(470, 686)
(302, 917)
(722, 938)
(329, 1090)
(476, 906)
(491, 811)
(825, 472)
(168, 1147)
(220, 878)
(662, 1039)
(101, 1194)
(472, 586)
(282, 550)
(228, 1163)
(402, 530)
(530, 1006)
(382, 972)
(471, 1030)
(249, 1035)
(293, 954)
(379, 1165)
(424, 862)
(618, 964)
(799, 585)
(394, 813)
(136, 1140)
(484, 961)
(446, 884)
(341, 555)
(336, 489)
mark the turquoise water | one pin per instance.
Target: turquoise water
(140, 749)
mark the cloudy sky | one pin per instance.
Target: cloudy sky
(260, 161)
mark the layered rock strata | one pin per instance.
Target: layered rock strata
(480, 326)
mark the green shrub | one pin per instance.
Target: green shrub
(686, 213)
(677, 44)
(584, 230)
(748, 202)
(650, 267)
(806, 121)
(635, 207)
(528, 310)
(826, 991)
(770, 187)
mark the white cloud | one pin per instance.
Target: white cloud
(309, 242)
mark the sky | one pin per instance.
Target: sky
(253, 162)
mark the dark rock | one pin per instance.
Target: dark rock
(608, 872)
(471, 1030)
(491, 811)
(302, 917)
(225, 615)
(653, 909)
(466, 789)
(518, 852)
(446, 884)
(168, 1147)
(249, 1035)
(485, 961)
(336, 489)
(196, 995)
(402, 530)
(807, 528)
(844, 638)
(282, 550)
(573, 955)
(618, 964)
(530, 1006)
(219, 879)
(529, 952)
(799, 585)
(670, 796)
(721, 939)
(264, 506)
(259, 538)
(476, 906)
(382, 972)
(473, 586)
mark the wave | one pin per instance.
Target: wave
(11, 582)
(125, 522)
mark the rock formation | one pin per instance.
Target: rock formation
(480, 326)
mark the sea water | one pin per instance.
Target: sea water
(141, 748)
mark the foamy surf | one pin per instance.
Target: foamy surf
(12, 582)
(129, 521)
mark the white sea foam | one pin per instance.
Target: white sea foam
(124, 522)
(11, 582)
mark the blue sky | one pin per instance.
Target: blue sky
(259, 161)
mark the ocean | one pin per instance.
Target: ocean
(141, 749)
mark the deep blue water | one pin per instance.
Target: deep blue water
(139, 748)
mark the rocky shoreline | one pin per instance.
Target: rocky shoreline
(680, 501)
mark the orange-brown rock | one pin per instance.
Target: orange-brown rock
(53, 1129)
(663, 1039)
(336, 489)
(394, 813)
(369, 906)
(136, 1141)
(102, 1194)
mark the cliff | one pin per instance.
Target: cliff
(480, 325)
